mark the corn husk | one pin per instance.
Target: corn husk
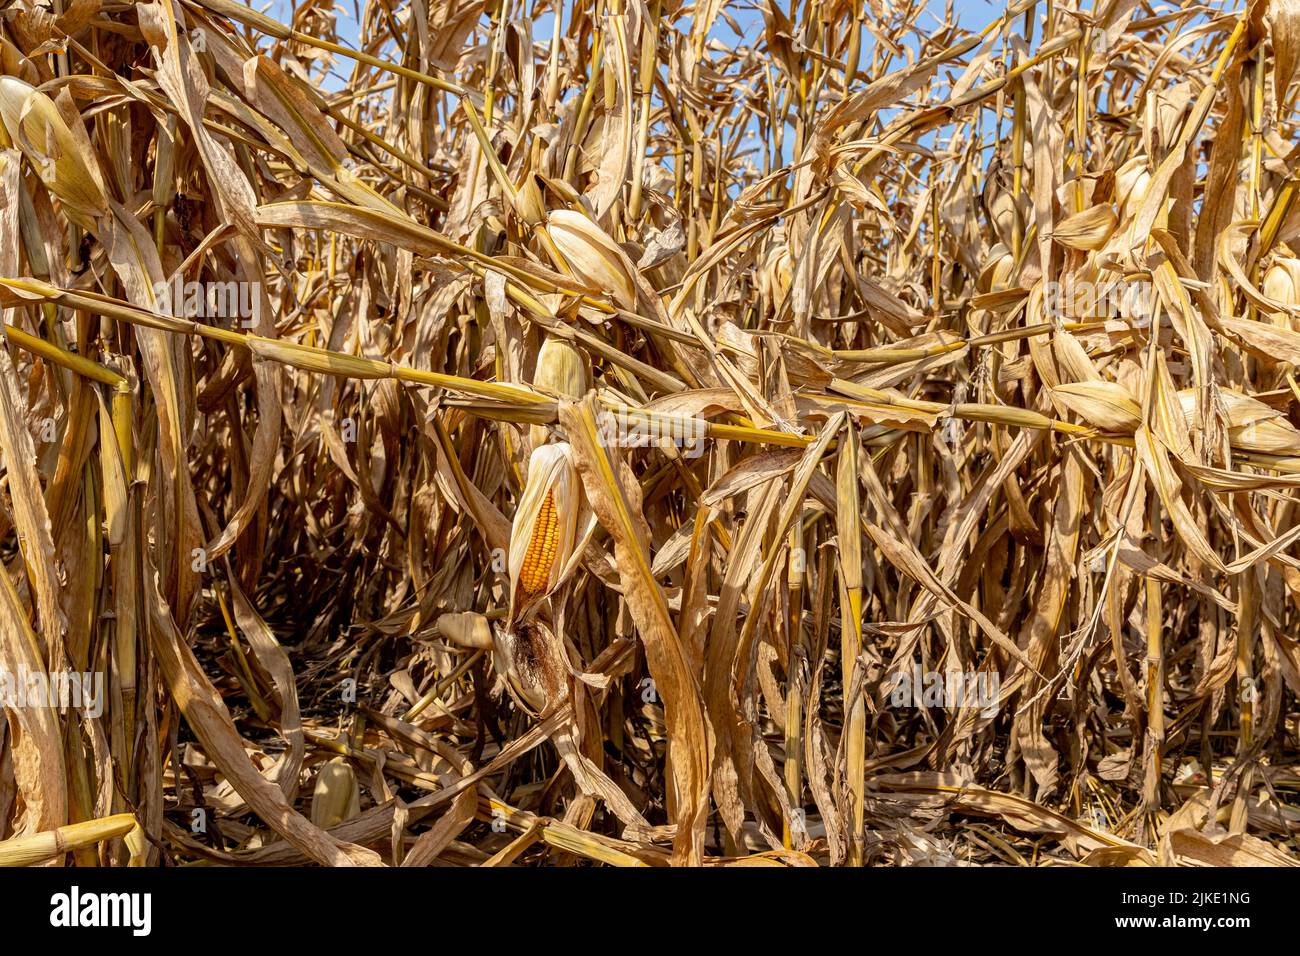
(563, 371)
(1132, 181)
(995, 274)
(336, 797)
(465, 629)
(1252, 425)
(1281, 283)
(530, 661)
(35, 125)
(1006, 218)
(1089, 229)
(592, 255)
(1106, 405)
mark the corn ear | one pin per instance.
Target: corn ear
(527, 656)
(1106, 405)
(545, 527)
(1132, 182)
(592, 255)
(1252, 425)
(36, 126)
(562, 370)
(465, 629)
(1006, 218)
(27, 850)
(1087, 230)
(995, 274)
(1282, 284)
(337, 797)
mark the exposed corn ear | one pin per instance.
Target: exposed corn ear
(543, 543)
(545, 526)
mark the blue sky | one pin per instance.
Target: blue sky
(972, 14)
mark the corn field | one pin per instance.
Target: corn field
(634, 432)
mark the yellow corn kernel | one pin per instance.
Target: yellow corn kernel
(536, 572)
(543, 531)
